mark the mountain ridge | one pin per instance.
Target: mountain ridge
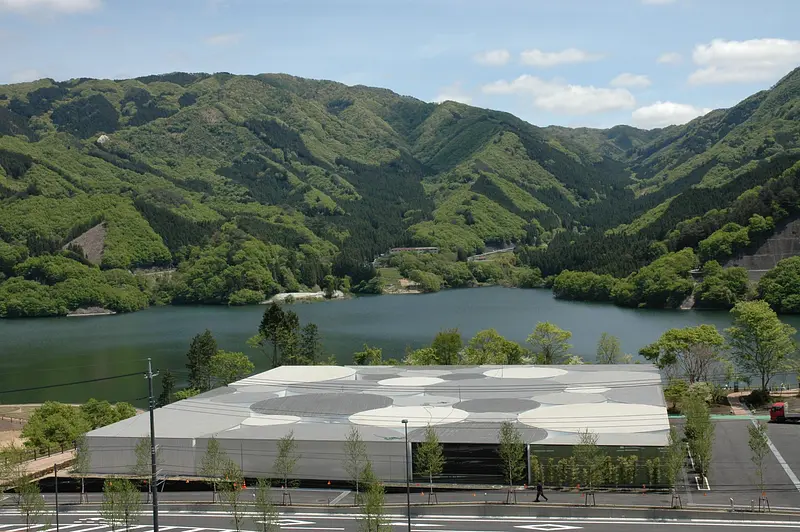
(297, 179)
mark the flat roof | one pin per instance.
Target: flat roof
(623, 404)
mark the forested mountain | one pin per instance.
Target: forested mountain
(250, 185)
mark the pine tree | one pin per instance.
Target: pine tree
(167, 388)
(201, 351)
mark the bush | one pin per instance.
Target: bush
(758, 398)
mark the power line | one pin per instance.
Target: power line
(73, 383)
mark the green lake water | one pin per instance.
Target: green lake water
(46, 351)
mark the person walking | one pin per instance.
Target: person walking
(539, 491)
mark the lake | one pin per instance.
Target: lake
(48, 351)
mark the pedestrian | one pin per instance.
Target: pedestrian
(539, 491)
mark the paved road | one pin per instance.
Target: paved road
(317, 522)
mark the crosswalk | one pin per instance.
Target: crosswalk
(96, 525)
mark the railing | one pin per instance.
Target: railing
(29, 455)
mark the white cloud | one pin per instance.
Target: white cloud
(539, 58)
(560, 97)
(636, 81)
(223, 39)
(61, 6)
(25, 75)
(493, 57)
(722, 61)
(453, 92)
(670, 58)
(662, 114)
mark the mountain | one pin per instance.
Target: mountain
(249, 185)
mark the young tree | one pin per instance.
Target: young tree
(289, 346)
(80, 467)
(609, 349)
(13, 471)
(430, 457)
(287, 459)
(180, 395)
(31, 504)
(674, 462)
(512, 454)
(699, 430)
(268, 330)
(212, 466)
(589, 458)
(760, 343)
(550, 343)
(228, 367)
(310, 344)
(111, 507)
(264, 507)
(355, 458)
(143, 467)
(693, 351)
(759, 449)
(231, 492)
(201, 351)
(373, 506)
(167, 388)
(447, 344)
(130, 502)
(370, 356)
(675, 391)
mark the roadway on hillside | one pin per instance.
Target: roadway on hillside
(319, 522)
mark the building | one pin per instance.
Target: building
(623, 404)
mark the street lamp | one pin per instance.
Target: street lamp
(408, 480)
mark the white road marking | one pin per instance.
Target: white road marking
(308, 528)
(291, 522)
(549, 527)
(780, 460)
(24, 528)
(340, 497)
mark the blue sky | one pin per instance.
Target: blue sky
(569, 62)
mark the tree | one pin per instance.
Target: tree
(111, 507)
(144, 461)
(675, 459)
(264, 507)
(675, 391)
(609, 350)
(201, 351)
(370, 356)
(130, 502)
(98, 413)
(430, 456)
(373, 506)
(278, 328)
(212, 465)
(489, 347)
(13, 470)
(425, 356)
(355, 458)
(699, 430)
(310, 344)
(550, 343)
(512, 453)
(760, 343)
(447, 344)
(589, 458)
(692, 351)
(167, 388)
(759, 449)
(228, 367)
(231, 491)
(31, 504)
(287, 458)
(180, 395)
(271, 323)
(54, 425)
(80, 467)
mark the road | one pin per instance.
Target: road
(173, 521)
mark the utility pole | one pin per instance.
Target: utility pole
(154, 476)
(55, 477)
(408, 480)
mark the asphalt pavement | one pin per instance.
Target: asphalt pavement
(169, 521)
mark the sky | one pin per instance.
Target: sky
(595, 63)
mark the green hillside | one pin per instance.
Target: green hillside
(244, 186)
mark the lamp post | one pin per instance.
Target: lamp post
(408, 480)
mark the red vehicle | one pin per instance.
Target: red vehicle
(778, 414)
